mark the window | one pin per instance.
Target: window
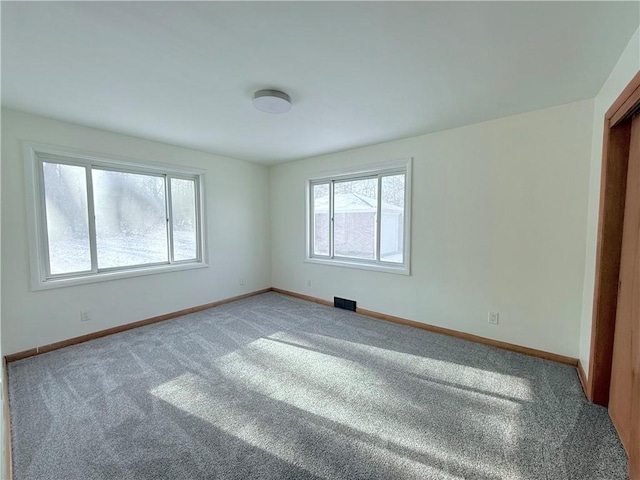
(361, 218)
(99, 218)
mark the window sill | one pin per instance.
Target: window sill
(377, 267)
(114, 275)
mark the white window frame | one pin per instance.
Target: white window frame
(377, 170)
(37, 153)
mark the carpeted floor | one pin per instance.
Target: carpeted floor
(273, 387)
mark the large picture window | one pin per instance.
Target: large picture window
(96, 218)
(361, 219)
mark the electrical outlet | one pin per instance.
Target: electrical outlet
(84, 316)
(242, 281)
(493, 318)
(309, 283)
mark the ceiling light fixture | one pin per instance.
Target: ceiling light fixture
(272, 101)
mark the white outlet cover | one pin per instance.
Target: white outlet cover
(494, 318)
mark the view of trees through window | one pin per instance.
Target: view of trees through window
(67, 218)
(357, 223)
(183, 201)
(130, 211)
(131, 227)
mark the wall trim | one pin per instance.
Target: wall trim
(369, 313)
(582, 376)
(445, 331)
(302, 296)
(7, 460)
(121, 328)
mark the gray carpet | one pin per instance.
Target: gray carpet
(273, 387)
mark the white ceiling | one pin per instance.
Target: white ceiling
(359, 73)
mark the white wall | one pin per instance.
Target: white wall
(499, 223)
(626, 67)
(238, 232)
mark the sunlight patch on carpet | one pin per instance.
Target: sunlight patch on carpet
(469, 401)
(193, 394)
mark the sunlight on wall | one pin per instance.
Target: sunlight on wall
(288, 379)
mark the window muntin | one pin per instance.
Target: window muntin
(361, 219)
(96, 219)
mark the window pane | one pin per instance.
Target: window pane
(321, 219)
(354, 226)
(65, 188)
(131, 227)
(392, 219)
(183, 208)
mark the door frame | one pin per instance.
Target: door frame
(613, 183)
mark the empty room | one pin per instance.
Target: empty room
(320, 240)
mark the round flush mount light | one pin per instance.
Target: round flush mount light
(272, 101)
